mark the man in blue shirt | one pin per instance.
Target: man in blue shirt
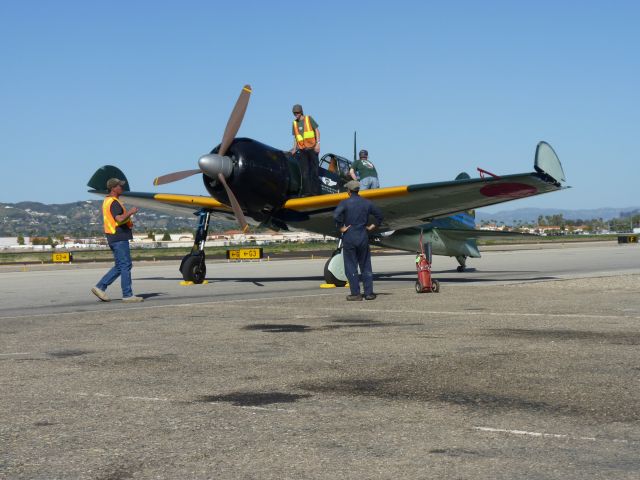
(352, 219)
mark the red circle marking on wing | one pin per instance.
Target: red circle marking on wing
(511, 190)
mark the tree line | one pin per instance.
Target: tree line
(594, 225)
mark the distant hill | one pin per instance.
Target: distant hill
(83, 219)
(529, 215)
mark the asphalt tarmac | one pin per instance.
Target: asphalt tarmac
(526, 366)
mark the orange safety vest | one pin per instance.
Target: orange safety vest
(110, 223)
(308, 137)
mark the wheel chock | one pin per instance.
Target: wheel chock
(331, 285)
(187, 283)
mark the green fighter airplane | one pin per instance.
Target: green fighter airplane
(247, 179)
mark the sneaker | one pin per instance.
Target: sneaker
(101, 294)
(133, 299)
(370, 297)
(354, 298)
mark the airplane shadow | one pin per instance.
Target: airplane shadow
(401, 277)
(255, 280)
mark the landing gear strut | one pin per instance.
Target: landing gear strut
(192, 267)
(462, 260)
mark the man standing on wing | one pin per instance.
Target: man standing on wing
(306, 147)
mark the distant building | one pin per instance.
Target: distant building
(10, 242)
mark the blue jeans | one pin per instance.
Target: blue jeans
(367, 183)
(122, 269)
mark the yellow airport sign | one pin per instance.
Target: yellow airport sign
(61, 257)
(245, 254)
(627, 238)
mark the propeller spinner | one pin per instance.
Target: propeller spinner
(217, 165)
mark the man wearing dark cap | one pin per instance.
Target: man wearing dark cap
(352, 219)
(365, 170)
(117, 228)
(306, 147)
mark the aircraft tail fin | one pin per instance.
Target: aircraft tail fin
(99, 179)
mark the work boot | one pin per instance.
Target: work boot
(133, 299)
(370, 297)
(101, 294)
(354, 298)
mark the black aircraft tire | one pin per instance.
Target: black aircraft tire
(194, 269)
(460, 268)
(330, 278)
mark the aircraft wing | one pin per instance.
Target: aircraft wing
(411, 205)
(174, 204)
(402, 206)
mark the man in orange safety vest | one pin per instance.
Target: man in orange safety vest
(117, 228)
(306, 147)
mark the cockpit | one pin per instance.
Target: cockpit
(334, 173)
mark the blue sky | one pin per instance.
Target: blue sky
(432, 88)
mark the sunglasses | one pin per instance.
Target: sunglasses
(297, 113)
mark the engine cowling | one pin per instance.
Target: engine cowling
(262, 178)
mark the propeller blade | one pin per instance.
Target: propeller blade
(235, 120)
(237, 211)
(174, 177)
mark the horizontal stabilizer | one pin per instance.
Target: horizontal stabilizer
(477, 234)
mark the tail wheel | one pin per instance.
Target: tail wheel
(194, 269)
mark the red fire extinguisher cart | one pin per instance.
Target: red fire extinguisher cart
(423, 265)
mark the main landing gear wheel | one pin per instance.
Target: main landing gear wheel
(460, 268)
(337, 263)
(193, 268)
